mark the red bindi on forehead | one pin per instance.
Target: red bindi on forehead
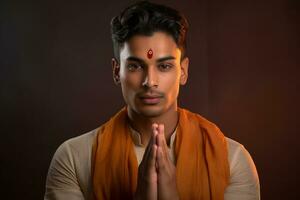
(150, 53)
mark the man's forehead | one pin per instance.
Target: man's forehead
(158, 45)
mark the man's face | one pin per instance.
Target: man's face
(150, 73)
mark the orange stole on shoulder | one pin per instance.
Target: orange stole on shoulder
(202, 169)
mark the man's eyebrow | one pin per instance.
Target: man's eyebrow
(165, 58)
(136, 59)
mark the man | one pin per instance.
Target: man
(152, 149)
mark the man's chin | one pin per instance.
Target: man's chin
(150, 111)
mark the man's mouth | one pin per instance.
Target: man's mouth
(150, 99)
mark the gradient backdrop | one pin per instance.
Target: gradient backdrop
(56, 82)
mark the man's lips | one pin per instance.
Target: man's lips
(150, 96)
(150, 99)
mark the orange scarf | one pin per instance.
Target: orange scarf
(202, 169)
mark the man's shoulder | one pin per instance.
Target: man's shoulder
(83, 139)
(233, 144)
(243, 174)
(69, 170)
(240, 159)
(201, 120)
(77, 147)
(74, 150)
(235, 149)
(237, 153)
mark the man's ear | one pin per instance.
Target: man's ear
(184, 68)
(116, 70)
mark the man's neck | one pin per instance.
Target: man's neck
(143, 124)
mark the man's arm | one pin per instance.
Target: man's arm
(244, 182)
(61, 180)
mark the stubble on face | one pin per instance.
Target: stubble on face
(150, 86)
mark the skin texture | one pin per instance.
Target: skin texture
(147, 174)
(150, 87)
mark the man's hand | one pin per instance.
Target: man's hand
(166, 171)
(157, 173)
(147, 175)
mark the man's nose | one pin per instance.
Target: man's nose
(151, 77)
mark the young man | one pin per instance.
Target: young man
(152, 149)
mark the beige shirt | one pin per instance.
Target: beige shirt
(69, 175)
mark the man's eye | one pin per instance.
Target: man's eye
(165, 66)
(133, 67)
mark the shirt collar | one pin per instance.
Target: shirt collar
(137, 140)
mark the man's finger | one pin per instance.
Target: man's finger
(150, 143)
(162, 138)
(152, 140)
(163, 142)
(155, 132)
(152, 158)
(160, 159)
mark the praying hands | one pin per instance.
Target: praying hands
(157, 173)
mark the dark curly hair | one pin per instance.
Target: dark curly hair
(145, 18)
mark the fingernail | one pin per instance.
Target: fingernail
(154, 126)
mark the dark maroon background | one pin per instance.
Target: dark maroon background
(56, 82)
